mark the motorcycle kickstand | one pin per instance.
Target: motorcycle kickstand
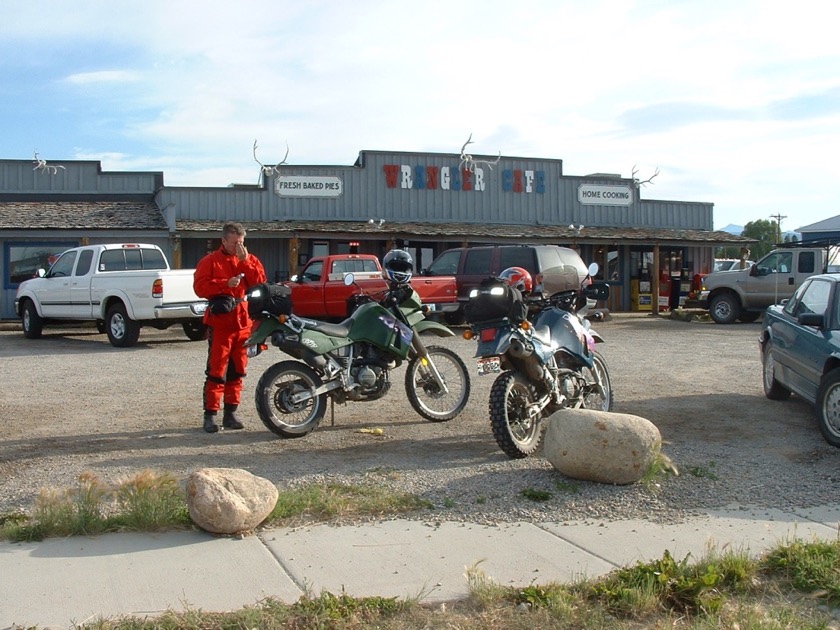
(332, 411)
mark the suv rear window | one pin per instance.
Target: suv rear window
(518, 257)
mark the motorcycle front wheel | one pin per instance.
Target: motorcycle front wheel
(599, 392)
(424, 394)
(274, 405)
(516, 433)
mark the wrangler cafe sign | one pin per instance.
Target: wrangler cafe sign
(452, 178)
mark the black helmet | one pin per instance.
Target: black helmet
(398, 265)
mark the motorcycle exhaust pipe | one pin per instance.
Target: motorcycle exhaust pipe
(521, 349)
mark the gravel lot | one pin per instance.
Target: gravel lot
(70, 402)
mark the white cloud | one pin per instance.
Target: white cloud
(102, 76)
(736, 103)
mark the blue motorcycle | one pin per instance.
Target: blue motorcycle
(543, 350)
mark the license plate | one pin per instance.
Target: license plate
(489, 365)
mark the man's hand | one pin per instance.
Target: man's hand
(234, 282)
(241, 251)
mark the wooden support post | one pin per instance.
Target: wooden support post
(654, 282)
(294, 246)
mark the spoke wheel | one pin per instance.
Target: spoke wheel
(424, 394)
(517, 434)
(599, 392)
(274, 402)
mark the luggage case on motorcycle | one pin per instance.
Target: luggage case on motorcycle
(489, 305)
(273, 298)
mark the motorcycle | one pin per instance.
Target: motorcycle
(352, 360)
(543, 350)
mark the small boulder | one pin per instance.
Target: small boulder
(229, 500)
(601, 446)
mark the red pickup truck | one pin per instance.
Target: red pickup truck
(319, 291)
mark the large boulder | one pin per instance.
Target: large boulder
(229, 500)
(600, 446)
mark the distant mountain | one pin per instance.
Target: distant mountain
(737, 229)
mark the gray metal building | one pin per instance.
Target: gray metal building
(425, 202)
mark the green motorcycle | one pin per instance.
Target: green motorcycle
(352, 360)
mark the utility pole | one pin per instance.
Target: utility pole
(778, 218)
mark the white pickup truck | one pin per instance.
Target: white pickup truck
(121, 287)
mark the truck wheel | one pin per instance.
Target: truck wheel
(33, 324)
(724, 308)
(195, 331)
(122, 331)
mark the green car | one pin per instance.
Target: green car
(800, 350)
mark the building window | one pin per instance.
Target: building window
(23, 259)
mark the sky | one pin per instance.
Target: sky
(736, 103)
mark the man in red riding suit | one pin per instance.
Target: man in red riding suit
(225, 275)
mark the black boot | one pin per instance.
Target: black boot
(210, 422)
(229, 419)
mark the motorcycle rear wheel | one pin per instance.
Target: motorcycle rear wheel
(274, 406)
(423, 392)
(510, 397)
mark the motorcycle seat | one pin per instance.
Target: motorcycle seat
(333, 330)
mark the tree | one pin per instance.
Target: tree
(765, 232)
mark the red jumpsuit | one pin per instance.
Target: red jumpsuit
(226, 332)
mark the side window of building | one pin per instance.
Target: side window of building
(806, 262)
(478, 261)
(519, 257)
(446, 264)
(85, 258)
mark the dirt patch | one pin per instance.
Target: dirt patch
(70, 402)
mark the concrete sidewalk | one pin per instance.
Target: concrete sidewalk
(61, 582)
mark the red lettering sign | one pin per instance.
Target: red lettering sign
(392, 174)
(432, 173)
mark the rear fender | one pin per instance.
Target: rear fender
(263, 331)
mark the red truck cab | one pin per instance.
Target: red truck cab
(318, 291)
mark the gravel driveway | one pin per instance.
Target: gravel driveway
(70, 402)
